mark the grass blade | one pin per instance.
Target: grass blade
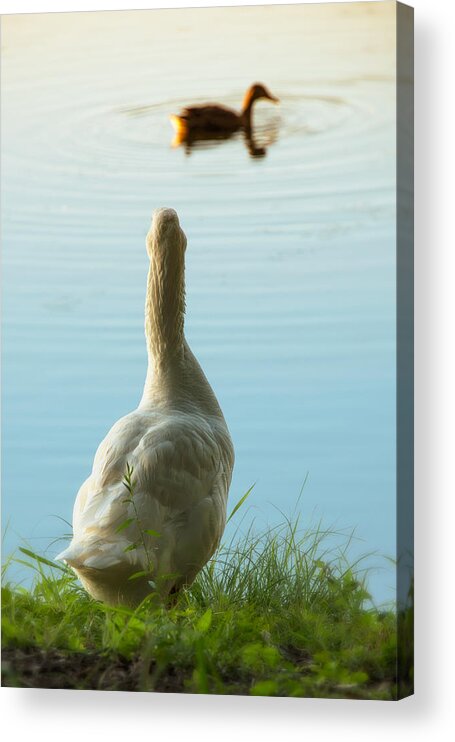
(240, 502)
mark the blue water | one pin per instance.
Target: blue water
(290, 259)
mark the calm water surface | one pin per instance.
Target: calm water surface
(290, 260)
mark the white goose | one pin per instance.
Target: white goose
(179, 447)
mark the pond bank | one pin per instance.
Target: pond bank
(279, 613)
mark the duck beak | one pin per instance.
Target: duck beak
(273, 98)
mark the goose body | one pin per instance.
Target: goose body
(178, 446)
(201, 121)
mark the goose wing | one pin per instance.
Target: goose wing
(181, 470)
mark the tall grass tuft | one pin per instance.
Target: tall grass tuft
(282, 611)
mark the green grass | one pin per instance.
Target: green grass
(279, 613)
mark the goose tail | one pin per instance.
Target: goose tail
(70, 556)
(82, 556)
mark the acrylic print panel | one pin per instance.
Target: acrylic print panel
(281, 151)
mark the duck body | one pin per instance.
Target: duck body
(201, 121)
(178, 447)
(211, 119)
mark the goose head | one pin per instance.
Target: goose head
(165, 237)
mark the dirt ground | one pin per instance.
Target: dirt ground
(37, 668)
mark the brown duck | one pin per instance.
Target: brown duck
(218, 121)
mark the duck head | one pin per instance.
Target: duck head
(255, 92)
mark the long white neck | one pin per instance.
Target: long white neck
(164, 310)
(165, 301)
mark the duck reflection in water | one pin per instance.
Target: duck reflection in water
(214, 123)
